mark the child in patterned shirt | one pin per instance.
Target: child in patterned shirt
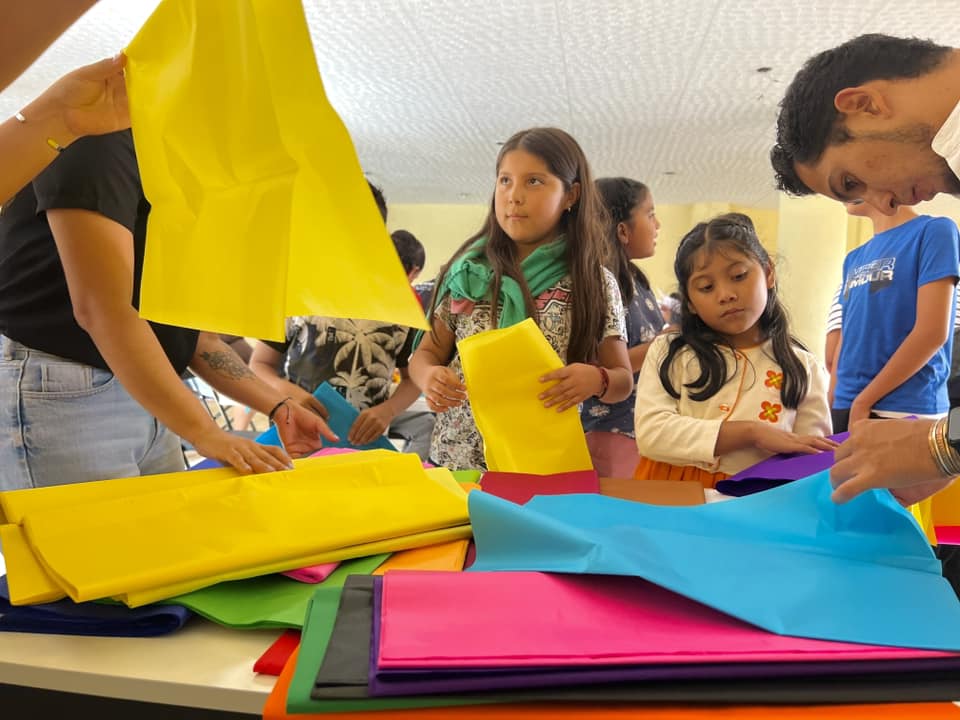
(540, 254)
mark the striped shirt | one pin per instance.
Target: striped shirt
(835, 318)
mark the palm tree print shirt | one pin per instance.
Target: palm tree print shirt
(357, 357)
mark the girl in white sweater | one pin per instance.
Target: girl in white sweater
(733, 387)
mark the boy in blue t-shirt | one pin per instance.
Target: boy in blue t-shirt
(898, 303)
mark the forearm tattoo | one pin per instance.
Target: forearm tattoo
(227, 363)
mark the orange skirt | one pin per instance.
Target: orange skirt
(649, 469)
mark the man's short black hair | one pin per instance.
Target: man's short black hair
(809, 121)
(411, 252)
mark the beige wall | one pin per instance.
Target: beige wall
(812, 242)
(676, 221)
(441, 228)
(808, 238)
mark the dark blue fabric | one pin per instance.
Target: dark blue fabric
(66, 617)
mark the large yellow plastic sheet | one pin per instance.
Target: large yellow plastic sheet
(503, 369)
(28, 581)
(252, 176)
(146, 546)
(15, 505)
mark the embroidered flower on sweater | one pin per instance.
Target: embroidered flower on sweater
(774, 379)
(770, 411)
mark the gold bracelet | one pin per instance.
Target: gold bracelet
(950, 461)
(943, 456)
(53, 144)
(946, 458)
(933, 441)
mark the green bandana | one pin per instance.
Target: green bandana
(469, 278)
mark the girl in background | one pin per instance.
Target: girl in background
(631, 235)
(539, 254)
(733, 387)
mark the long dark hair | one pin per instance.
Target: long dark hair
(735, 231)
(583, 226)
(621, 196)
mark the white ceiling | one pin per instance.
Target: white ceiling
(664, 91)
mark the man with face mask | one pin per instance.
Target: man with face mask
(878, 119)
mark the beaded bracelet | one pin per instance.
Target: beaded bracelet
(604, 381)
(276, 407)
(53, 144)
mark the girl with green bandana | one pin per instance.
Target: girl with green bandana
(541, 254)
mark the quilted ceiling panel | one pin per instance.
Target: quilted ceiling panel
(667, 92)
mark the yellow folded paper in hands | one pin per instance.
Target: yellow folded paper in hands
(251, 175)
(502, 369)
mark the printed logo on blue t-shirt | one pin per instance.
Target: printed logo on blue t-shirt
(878, 274)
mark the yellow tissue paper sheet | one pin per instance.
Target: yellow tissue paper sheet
(252, 176)
(923, 513)
(29, 582)
(391, 545)
(26, 577)
(144, 547)
(16, 504)
(502, 369)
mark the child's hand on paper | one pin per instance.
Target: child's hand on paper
(443, 389)
(573, 384)
(370, 424)
(773, 439)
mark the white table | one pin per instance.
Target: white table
(202, 665)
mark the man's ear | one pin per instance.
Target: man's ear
(861, 100)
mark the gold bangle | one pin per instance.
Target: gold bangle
(933, 441)
(946, 458)
(950, 461)
(51, 143)
(942, 447)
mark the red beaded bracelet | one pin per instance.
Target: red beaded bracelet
(605, 381)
